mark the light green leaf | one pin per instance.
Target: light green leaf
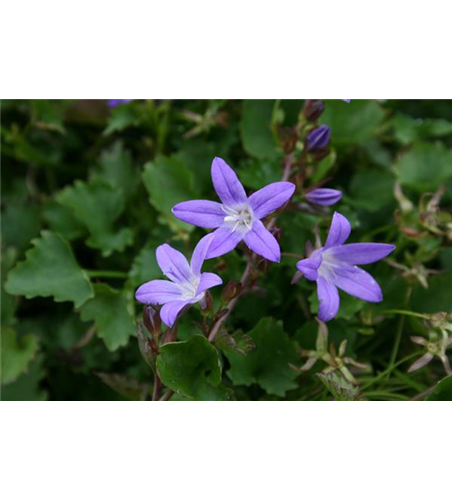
(27, 386)
(112, 313)
(16, 354)
(169, 181)
(257, 137)
(425, 166)
(50, 270)
(269, 364)
(408, 129)
(192, 369)
(352, 123)
(98, 206)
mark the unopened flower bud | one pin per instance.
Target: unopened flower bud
(288, 138)
(207, 303)
(232, 290)
(318, 138)
(151, 319)
(324, 196)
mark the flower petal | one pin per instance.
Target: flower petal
(339, 231)
(173, 263)
(158, 292)
(202, 213)
(227, 184)
(422, 361)
(361, 253)
(270, 198)
(309, 267)
(200, 252)
(169, 311)
(328, 299)
(208, 280)
(356, 282)
(223, 242)
(324, 196)
(261, 241)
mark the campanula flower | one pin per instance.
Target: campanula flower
(346, 100)
(319, 138)
(324, 196)
(238, 217)
(334, 266)
(113, 103)
(187, 286)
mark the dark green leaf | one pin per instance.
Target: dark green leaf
(50, 270)
(127, 387)
(257, 137)
(16, 354)
(443, 391)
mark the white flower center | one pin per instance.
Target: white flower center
(189, 288)
(239, 218)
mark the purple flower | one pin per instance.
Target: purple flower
(319, 138)
(335, 266)
(113, 103)
(346, 100)
(324, 196)
(187, 286)
(237, 217)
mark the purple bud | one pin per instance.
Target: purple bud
(346, 100)
(232, 290)
(319, 137)
(324, 196)
(112, 103)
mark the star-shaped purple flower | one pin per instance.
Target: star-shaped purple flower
(187, 286)
(238, 217)
(335, 266)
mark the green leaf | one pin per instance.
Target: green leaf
(116, 169)
(352, 123)
(98, 206)
(198, 156)
(112, 313)
(408, 129)
(50, 270)
(8, 302)
(269, 364)
(372, 189)
(239, 343)
(127, 387)
(169, 181)
(339, 387)
(26, 387)
(122, 117)
(425, 166)
(49, 114)
(191, 368)
(443, 391)
(257, 137)
(61, 220)
(20, 223)
(144, 267)
(437, 298)
(16, 354)
(260, 173)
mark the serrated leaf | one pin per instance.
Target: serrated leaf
(17, 353)
(340, 388)
(61, 220)
(116, 169)
(112, 313)
(169, 181)
(425, 166)
(128, 388)
(98, 205)
(408, 129)
(122, 117)
(355, 123)
(239, 343)
(191, 368)
(50, 270)
(269, 364)
(20, 223)
(255, 128)
(442, 391)
(27, 386)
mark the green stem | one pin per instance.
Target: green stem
(106, 274)
(388, 370)
(406, 313)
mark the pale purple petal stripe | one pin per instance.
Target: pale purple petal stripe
(328, 299)
(227, 184)
(262, 242)
(200, 252)
(202, 213)
(158, 292)
(270, 198)
(224, 241)
(173, 263)
(208, 280)
(357, 282)
(324, 196)
(361, 253)
(169, 311)
(339, 231)
(309, 267)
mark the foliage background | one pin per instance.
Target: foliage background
(93, 188)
